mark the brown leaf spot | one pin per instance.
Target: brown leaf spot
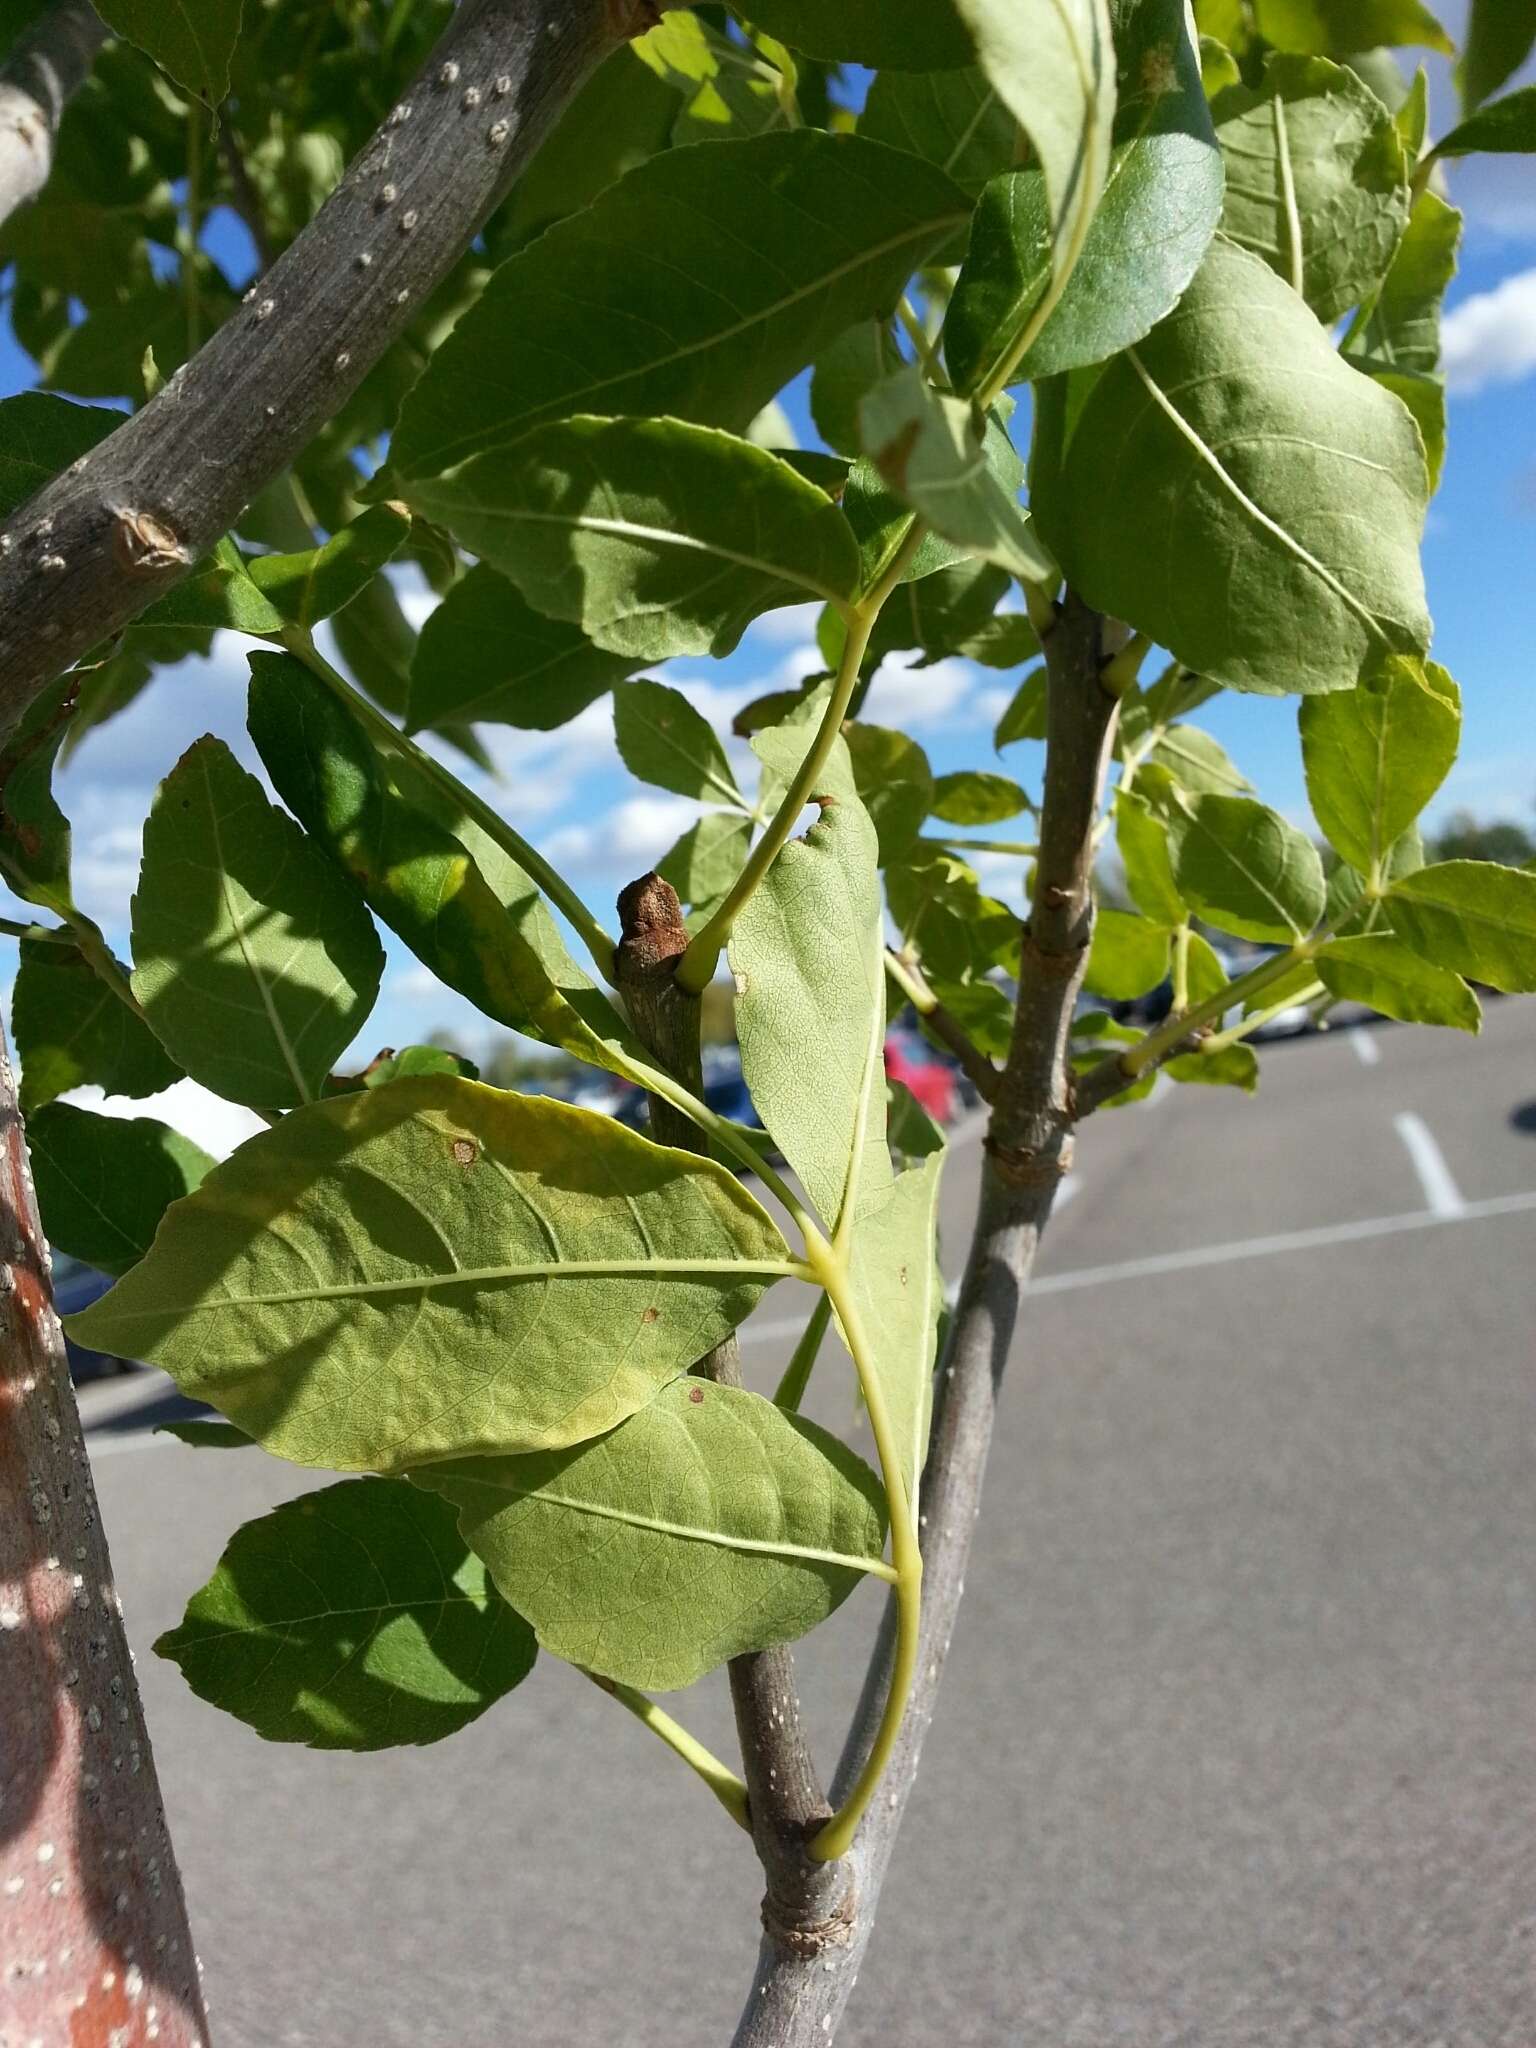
(650, 1315)
(892, 459)
(465, 1152)
(696, 1395)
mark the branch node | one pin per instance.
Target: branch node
(799, 1935)
(1051, 966)
(1020, 1166)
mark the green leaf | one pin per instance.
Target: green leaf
(708, 858)
(941, 912)
(254, 968)
(807, 953)
(193, 40)
(928, 451)
(1196, 762)
(1474, 917)
(352, 1618)
(104, 1182)
(1128, 956)
(973, 797)
(218, 595)
(1142, 840)
(898, 1295)
(35, 841)
(904, 35)
(71, 1029)
(854, 364)
(464, 908)
(892, 776)
(723, 83)
(40, 436)
(664, 741)
(1374, 756)
(1160, 207)
(1245, 870)
(622, 115)
(1007, 640)
(1506, 128)
(1498, 41)
(1424, 397)
(1336, 27)
(701, 284)
(207, 1436)
(436, 1269)
(308, 587)
(1207, 976)
(709, 1525)
(1229, 1066)
(1024, 718)
(949, 612)
(1053, 64)
(486, 653)
(417, 1059)
(1403, 329)
(956, 119)
(1380, 971)
(1218, 67)
(656, 538)
(1317, 182)
(1287, 492)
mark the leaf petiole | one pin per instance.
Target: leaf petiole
(831, 1268)
(724, 1783)
(797, 1374)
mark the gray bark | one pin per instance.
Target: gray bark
(37, 81)
(94, 1942)
(98, 544)
(797, 1999)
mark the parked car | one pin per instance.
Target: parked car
(76, 1286)
(930, 1078)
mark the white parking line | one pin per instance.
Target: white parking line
(1363, 1042)
(1287, 1241)
(1440, 1189)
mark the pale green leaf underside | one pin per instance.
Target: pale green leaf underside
(254, 969)
(436, 1269)
(1379, 970)
(104, 1182)
(1246, 870)
(1316, 180)
(1241, 495)
(1053, 63)
(1375, 755)
(708, 1525)
(663, 740)
(352, 1618)
(655, 537)
(1473, 917)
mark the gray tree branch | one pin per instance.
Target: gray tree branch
(95, 546)
(797, 2000)
(94, 1942)
(37, 81)
(804, 1900)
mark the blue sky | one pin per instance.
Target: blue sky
(568, 791)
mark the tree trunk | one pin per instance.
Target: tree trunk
(37, 81)
(94, 1943)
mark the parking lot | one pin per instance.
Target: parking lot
(1238, 1740)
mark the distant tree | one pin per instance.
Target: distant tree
(1463, 838)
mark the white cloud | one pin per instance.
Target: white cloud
(1491, 338)
(794, 622)
(640, 829)
(216, 1125)
(919, 698)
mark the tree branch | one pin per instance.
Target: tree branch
(806, 1903)
(96, 545)
(93, 1925)
(797, 2002)
(37, 81)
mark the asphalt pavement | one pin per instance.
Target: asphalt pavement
(1238, 1740)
